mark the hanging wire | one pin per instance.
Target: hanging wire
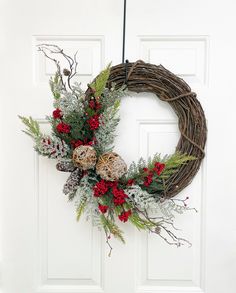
(126, 62)
(124, 31)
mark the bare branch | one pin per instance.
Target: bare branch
(72, 62)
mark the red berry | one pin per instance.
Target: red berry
(63, 127)
(57, 114)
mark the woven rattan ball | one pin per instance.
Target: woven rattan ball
(111, 166)
(84, 157)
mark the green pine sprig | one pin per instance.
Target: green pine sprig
(100, 82)
(111, 228)
(140, 223)
(81, 208)
(55, 84)
(174, 162)
(32, 127)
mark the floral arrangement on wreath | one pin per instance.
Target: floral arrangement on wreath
(83, 132)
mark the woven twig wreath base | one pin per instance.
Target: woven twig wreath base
(145, 77)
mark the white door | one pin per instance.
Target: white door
(44, 249)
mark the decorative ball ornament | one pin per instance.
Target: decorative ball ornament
(84, 157)
(111, 166)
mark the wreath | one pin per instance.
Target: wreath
(82, 141)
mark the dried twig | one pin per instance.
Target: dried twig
(158, 224)
(48, 49)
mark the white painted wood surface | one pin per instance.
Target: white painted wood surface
(44, 249)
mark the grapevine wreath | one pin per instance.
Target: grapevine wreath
(83, 131)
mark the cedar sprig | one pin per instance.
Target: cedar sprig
(32, 127)
(99, 83)
(81, 207)
(172, 164)
(111, 228)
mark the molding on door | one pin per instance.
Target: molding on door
(69, 289)
(49, 278)
(90, 56)
(185, 55)
(192, 279)
(150, 289)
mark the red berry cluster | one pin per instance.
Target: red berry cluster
(57, 114)
(94, 122)
(102, 208)
(158, 168)
(93, 104)
(147, 179)
(130, 182)
(125, 216)
(78, 142)
(119, 197)
(63, 127)
(100, 188)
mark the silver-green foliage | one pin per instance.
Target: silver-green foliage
(105, 134)
(162, 212)
(69, 102)
(110, 95)
(56, 85)
(139, 197)
(169, 207)
(86, 203)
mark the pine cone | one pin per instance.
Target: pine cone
(65, 166)
(72, 182)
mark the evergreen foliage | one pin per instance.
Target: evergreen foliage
(100, 82)
(140, 223)
(172, 164)
(81, 207)
(32, 127)
(111, 228)
(140, 197)
(109, 96)
(105, 134)
(56, 85)
(70, 102)
(49, 146)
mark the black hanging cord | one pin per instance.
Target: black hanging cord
(123, 48)
(124, 31)
(126, 71)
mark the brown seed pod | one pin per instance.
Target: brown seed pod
(111, 166)
(66, 72)
(84, 157)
